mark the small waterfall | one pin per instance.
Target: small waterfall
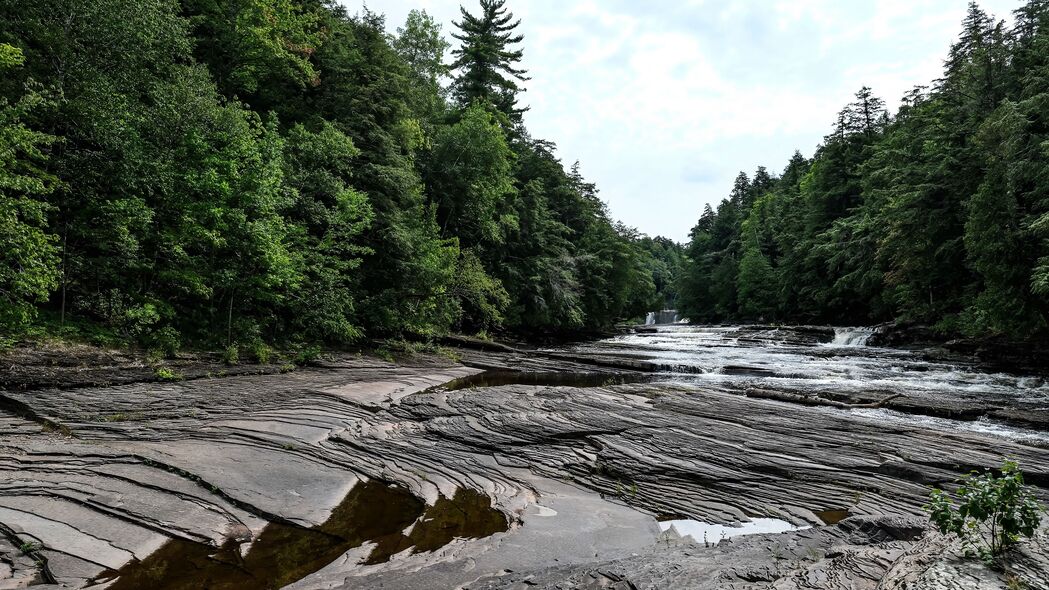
(851, 336)
(666, 316)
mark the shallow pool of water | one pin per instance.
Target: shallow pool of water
(388, 516)
(712, 534)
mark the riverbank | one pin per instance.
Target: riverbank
(565, 478)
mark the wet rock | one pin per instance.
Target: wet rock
(903, 334)
(857, 555)
(882, 529)
(940, 407)
(796, 334)
(1030, 418)
(535, 362)
(1000, 354)
(748, 371)
(574, 473)
(461, 341)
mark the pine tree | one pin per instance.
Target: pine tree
(740, 192)
(757, 280)
(867, 114)
(696, 301)
(995, 243)
(762, 184)
(486, 62)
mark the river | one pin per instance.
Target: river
(738, 358)
(552, 468)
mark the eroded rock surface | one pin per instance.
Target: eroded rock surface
(93, 479)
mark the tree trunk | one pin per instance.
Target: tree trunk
(65, 238)
(229, 320)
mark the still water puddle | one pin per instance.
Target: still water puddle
(550, 379)
(832, 516)
(712, 534)
(283, 553)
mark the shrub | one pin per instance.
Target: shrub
(305, 355)
(166, 342)
(166, 374)
(992, 513)
(261, 352)
(231, 355)
(450, 354)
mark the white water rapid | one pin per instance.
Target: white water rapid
(851, 336)
(829, 362)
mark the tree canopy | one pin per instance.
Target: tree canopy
(936, 214)
(202, 173)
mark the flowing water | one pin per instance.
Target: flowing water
(667, 316)
(392, 520)
(832, 362)
(851, 336)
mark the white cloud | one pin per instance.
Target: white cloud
(664, 102)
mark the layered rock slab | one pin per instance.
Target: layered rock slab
(579, 471)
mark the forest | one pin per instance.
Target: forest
(936, 215)
(193, 173)
(197, 173)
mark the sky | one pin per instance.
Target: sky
(665, 102)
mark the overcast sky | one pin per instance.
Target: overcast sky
(665, 102)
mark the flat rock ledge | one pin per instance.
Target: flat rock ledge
(885, 553)
(96, 477)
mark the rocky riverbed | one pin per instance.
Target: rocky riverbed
(518, 469)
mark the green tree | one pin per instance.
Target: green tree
(482, 299)
(468, 176)
(928, 168)
(757, 285)
(420, 44)
(997, 245)
(664, 260)
(537, 263)
(993, 511)
(251, 45)
(232, 173)
(696, 299)
(28, 254)
(329, 217)
(406, 277)
(486, 61)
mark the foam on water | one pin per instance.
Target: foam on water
(982, 425)
(851, 336)
(734, 358)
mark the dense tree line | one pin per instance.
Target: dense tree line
(203, 172)
(938, 214)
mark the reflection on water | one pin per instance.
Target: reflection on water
(468, 515)
(832, 516)
(704, 532)
(283, 553)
